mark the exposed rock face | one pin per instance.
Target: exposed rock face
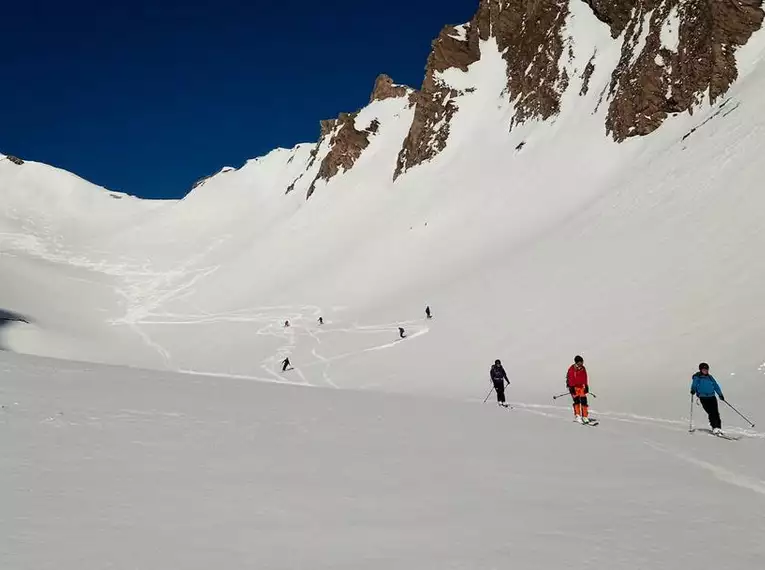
(650, 81)
(455, 46)
(385, 89)
(615, 13)
(15, 160)
(653, 80)
(346, 147)
(326, 127)
(675, 54)
(529, 35)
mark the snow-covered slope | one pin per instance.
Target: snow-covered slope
(104, 467)
(508, 207)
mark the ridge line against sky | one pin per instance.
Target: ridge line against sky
(147, 97)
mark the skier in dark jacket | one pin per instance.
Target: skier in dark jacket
(499, 379)
(706, 388)
(427, 313)
(285, 364)
(401, 332)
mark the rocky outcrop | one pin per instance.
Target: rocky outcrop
(615, 13)
(529, 36)
(326, 127)
(385, 89)
(455, 46)
(347, 144)
(651, 81)
(15, 160)
(654, 80)
(674, 55)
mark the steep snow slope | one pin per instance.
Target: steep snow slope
(108, 468)
(530, 245)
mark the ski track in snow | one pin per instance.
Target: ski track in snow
(145, 291)
(721, 473)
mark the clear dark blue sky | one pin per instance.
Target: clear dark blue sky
(147, 96)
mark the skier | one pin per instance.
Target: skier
(401, 333)
(321, 321)
(286, 324)
(578, 387)
(499, 379)
(285, 364)
(705, 387)
(427, 313)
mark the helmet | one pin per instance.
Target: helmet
(497, 362)
(703, 366)
(578, 358)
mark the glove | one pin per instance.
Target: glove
(722, 397)
(693, 392)
(571, 390)
(587, 389)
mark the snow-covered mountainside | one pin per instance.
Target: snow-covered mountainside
(571, 177)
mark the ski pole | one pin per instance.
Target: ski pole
(489, 394)
(739, 413)
(690, 422)
(561, 395)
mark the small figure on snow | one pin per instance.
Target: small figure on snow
(286, 324)
(321, 321)
(286, 364)
(427, 313)
(578, 386)
(401, 332)
(499, 379)
(705, 387)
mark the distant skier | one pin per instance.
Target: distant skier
(285, 364)
(321, 321)
(401, 332)
(499, 379)
(705, 387)
(427, 313)
(286, 324)
(578, 386)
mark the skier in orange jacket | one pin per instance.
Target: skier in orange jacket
(578, 387)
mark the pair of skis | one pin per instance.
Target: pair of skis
(721, 435)
(591, 423)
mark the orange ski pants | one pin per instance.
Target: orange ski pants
(580, 402)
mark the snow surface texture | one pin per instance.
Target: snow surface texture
(106, 467)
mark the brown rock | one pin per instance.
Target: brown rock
(647, 86)
(385, 89)
(434, 107)
(615, 13)
(586, 76)
(15, 160)
(347, 145)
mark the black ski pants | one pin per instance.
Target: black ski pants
(499, 386)
(710, 407)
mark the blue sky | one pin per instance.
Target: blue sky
(146, 97)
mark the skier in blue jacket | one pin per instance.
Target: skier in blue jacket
(706, 388)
